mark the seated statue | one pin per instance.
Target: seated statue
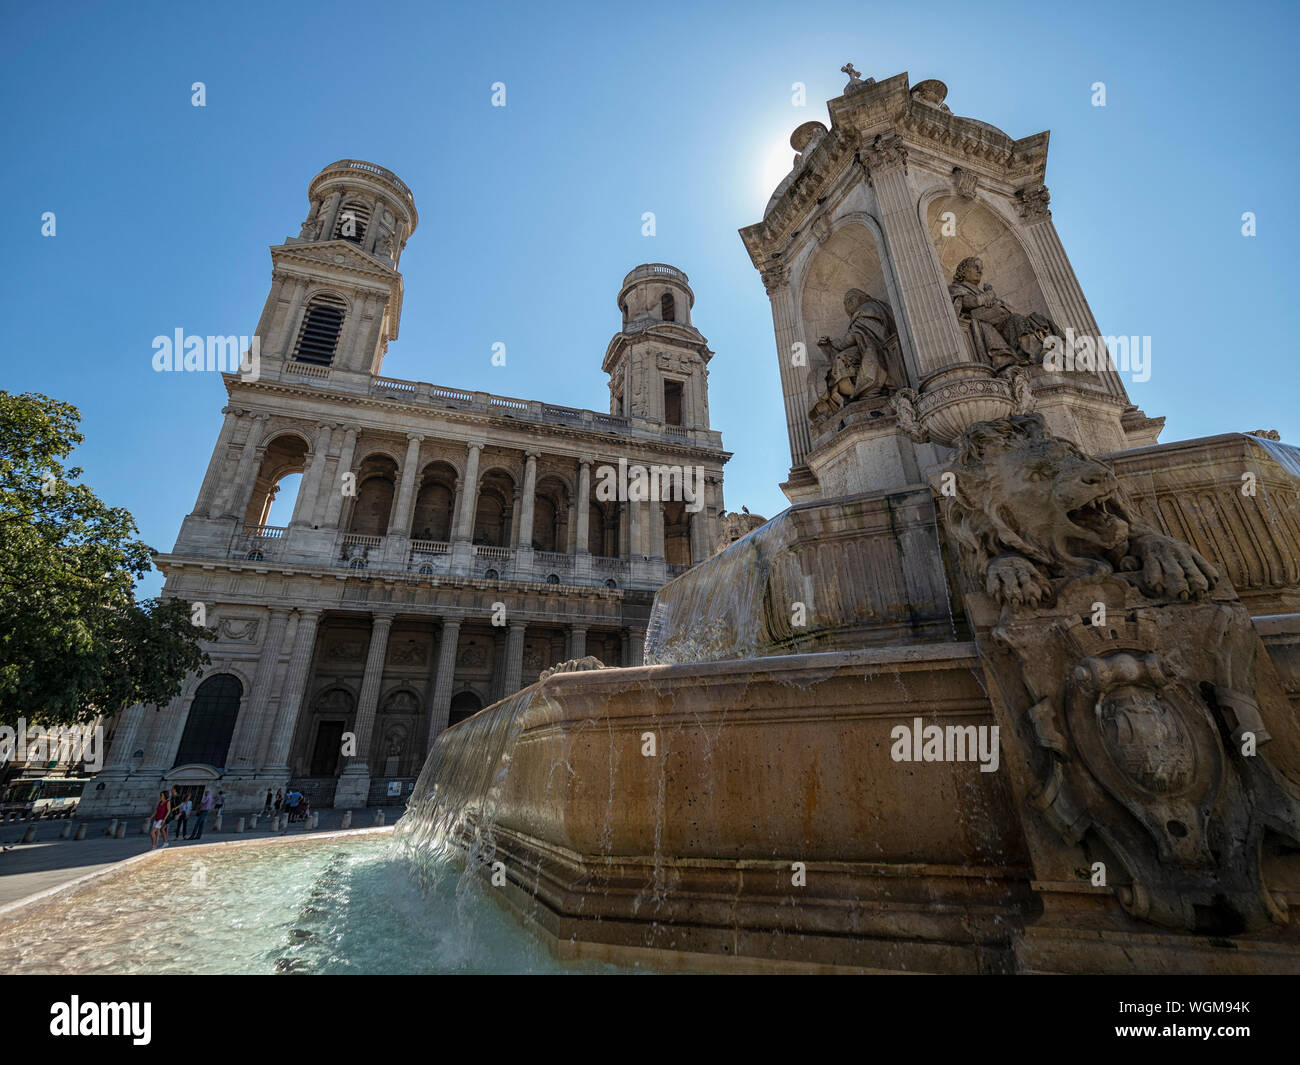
(858, 360)
(997, 334)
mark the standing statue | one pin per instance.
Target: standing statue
(997, 334)
(859, 360)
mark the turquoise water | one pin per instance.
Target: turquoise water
(326, 906)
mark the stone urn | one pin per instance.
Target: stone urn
(958, 396)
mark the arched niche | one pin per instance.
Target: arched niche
(850, 258)
(979, 231)
(285, 454)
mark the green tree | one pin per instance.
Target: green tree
(74, 643)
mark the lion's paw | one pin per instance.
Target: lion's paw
(1015, 580)
(1172, 568)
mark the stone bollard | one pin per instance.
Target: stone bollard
(30, 835)
(252, 823)
(216, 822)
(239, 825)
(112, 828)
(81, 832)
(379, 818)
(315, 819)
(67, 830)
(148, 824)
(121, 831)
(274, 826)
(347, 819)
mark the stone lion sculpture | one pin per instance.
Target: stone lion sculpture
(1030, 508)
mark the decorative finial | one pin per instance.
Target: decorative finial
(847, 68)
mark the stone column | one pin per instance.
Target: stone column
(440, 708)
(577, 641)
(308, 488)
(1066, 302)
(354, 782)
(334, 507)
(401, 521)
(286, 339)
(469, 496)
(455, 508)
(584, 505)
(124, 739)
(656, 530)
(248, 728)
(794, 387)
(206, 504)
(237, 493)
(530, 494)
(635, 545)
(295, 685)
(636, 646)
(927, 311)
(514, 658)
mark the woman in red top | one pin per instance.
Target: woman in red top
(159, 826)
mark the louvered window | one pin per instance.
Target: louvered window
(321, 326)
(352, 221)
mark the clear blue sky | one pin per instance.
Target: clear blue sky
(531, 214)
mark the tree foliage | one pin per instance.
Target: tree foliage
(74, 642)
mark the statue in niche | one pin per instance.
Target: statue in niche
(997, 335)
(384, 244)
(858, 360)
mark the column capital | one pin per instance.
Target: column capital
(414, 438)
(382, 620)
(585, 462)
(775, 278)
(884, 154)
(451, 623)
(1032, 203)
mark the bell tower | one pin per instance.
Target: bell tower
(336, 293)
(658, 362)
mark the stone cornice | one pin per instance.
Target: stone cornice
(888, 110)
(326, 253)
(492, 423)
(682, 336)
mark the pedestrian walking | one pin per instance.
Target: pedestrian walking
(183, 818)
(158, 830)
(205, 807)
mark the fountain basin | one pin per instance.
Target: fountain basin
(762, 775)
(329, 903)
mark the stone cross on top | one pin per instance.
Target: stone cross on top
(855, 79)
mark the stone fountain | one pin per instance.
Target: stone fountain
(1010, 687)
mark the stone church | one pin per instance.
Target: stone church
(445, 546)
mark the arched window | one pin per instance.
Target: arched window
(321, 326)
(464, 705)
(211, 722)
(668, 308)
(352, 222)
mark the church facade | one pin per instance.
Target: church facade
(445, 546)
